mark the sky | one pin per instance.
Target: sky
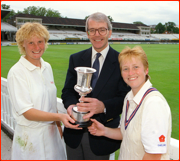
(148, 12)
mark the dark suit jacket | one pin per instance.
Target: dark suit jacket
(110, 89)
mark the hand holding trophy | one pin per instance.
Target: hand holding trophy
(84, 75)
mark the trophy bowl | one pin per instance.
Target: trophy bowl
(84, 75)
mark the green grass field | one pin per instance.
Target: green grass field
(163, 69)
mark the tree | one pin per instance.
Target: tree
(138, 22)
(41, 11)
(170, 27)
(31, 10)
(10, 14)
(152, 31)
(176, 30)
(86, 17)
(110, 19)
(160, 28)
(52, 13)
(4, 6)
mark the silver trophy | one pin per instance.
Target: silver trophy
(84, 75)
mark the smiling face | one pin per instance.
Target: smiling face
(134, 73)
(34, 47)
(98, 41)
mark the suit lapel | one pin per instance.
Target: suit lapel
(106, 72)
(86, 58)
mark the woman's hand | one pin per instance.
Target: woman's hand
(99, 129)
(68, 121)
(38, 115)
(96, 128)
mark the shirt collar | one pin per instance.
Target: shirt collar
(31, 66)
(103, 52)
(137, 98)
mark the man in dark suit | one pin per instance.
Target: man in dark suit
(105, 102)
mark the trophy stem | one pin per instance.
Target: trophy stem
(81, 97)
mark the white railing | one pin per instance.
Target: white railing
(9, 122)
(6, 114)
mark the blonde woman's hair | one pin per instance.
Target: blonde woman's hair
(138, 52)
(29, 30)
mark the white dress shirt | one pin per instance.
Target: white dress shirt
(101, 58)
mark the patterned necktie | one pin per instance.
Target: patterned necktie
(95, 66)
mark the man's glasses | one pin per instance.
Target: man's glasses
(102, 31)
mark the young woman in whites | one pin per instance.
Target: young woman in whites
(145, 127)
(32, 90)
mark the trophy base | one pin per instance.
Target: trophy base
(83, 124)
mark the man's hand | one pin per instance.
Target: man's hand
(69, 110)
(90, 104)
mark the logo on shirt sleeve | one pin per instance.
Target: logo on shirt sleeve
(162, 138)
(52, 82)
(162, 141)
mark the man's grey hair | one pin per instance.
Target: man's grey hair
(99, 17)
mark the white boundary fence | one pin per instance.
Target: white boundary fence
(9, 123)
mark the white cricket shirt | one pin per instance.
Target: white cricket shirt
(29, 87)
(155, 119)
